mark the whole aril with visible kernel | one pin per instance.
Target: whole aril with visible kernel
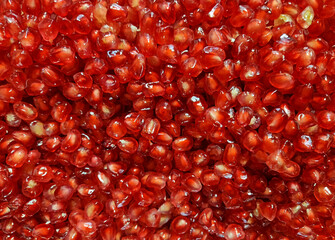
(185, 119)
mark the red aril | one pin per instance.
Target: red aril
(191, 119)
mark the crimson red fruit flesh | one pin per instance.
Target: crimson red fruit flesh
(163, 120)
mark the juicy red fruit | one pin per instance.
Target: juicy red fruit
(191, 119)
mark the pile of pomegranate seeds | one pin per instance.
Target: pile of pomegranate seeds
(165, 120)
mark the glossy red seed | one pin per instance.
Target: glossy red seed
(83, 80)
(156, 181)
(304, 143)
(180, 225)
(326, 119)
(62, 55)
(81, 24)
(17, 157)
(48, 28)
(196, 104)
(200, 158)
(231, 154)
(323, 192)
(44, 231)
(208, 178)
(151, 218)
(18, 80)
(268, 210)
(182, 144)
(167, 12)
(109, 83)
(186, 86)
(116, 12)
(86, 191)
(93, 209)
(250, 72)
(192, 183)
(146, 44)
(182, 161)
(31, 188)
(191, 119)
(36, 87)
(86, 227)
(116, 129)
(25, 111)
(137, 68)
(191, 66)
(43, 173)
(9, 94)
(61, 111)
(72, 141)
(251, 140)
(128, 145)
(52, 76)
(153, 89)
(276, 120)
(130, 184)
(241, 16)
(30, 39)
(168, 53)
(96, 66)
(83, 47)
(234, 231)
(63, 192)
(150, 128)
(116, 58)
(144, 197)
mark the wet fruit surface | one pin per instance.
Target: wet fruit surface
(159, 120)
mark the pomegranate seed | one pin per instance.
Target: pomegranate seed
(241, 16)
(61, 111)
(72, 141)
(48, 28)
(305, 18)
(192, 183)
(64, 192)
(156, 180)
(83, 80)
(180, 225)
(116, 12)
(182, 144)
(208, 178)
(17, 157)
(9, 94)
(127, 144)
(151, 218)
(25, 111)
(31, 188)
(167, 12)
(268, 210)
(45, 231)
(61, 55)
(234, 231)
(43, 173)
(191, 119)
(81, 24)
(86, 227)
(130, 184)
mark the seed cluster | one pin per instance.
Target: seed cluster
(167, 119)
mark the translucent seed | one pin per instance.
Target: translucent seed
(305, 18)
